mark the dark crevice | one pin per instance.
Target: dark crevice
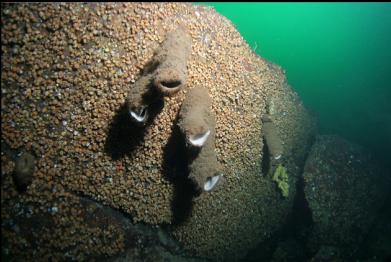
(265, 159)
(297, 223)
(85, 197)
(300, 220)
(170, 84)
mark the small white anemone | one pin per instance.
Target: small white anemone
(211, 182)
(142, 116)
(200, 139)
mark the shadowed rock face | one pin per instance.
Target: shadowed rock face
(345, 189)
(66, 73)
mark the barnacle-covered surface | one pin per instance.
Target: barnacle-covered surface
(66, 71)
(345, 190)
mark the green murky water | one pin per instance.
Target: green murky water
(336, 56)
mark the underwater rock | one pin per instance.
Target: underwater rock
(171, 60)
(196, 121)
(270, 135)
(289, 250)
(344, 189)
(327, 253)
(167, 241)
(63, 89)
(106, 231)
(378, 241)
(24, 170)
(154, 253)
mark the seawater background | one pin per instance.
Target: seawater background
(337, 56)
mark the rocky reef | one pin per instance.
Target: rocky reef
(73, 74)
(345, 189)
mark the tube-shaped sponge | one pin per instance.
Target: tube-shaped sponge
(205, 170)
(195, 117)
(139, 98)
(272, 139)
(171, 72)
(197, 124)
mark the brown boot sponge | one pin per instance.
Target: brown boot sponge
(273, 142)
(196, 120)
(171, 72)
(197, 124)
(137, 100)
(205, 170)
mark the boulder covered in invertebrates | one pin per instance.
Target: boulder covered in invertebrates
(67, 70)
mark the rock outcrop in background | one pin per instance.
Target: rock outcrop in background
(345, 190)
(98, 178)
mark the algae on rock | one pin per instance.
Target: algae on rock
(280, 176)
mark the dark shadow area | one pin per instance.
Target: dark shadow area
(378, 238)
(295, 228)
(265, 159)
(297, 224)
(262, 252)
(302, 215)
(150, 66)
(175, 169)
(152, 98)
(124, 134)
(300, 222)
(171, 84)
(20, 187)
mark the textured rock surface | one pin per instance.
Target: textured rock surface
(345, 189)
(66, 72)
(378, 243)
